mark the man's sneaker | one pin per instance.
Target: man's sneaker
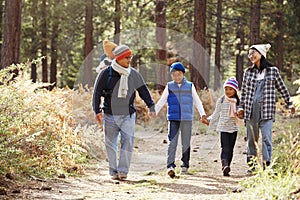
(115, 177)
(122, 176)
(171, 172)
(184, 170)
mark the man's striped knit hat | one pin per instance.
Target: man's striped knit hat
(121, 52)
(232, 82)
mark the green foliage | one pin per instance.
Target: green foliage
(37, 131)
(281, 179)
(296, 99)
(137, 15)
(269, 184)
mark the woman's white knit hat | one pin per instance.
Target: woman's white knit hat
(262, 48)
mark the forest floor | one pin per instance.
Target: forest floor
(148, 178)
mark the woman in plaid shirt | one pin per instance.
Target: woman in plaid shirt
(258, 101)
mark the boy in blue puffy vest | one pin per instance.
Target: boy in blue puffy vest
(181, 96)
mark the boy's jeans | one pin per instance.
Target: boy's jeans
(185, 128)
(113, 125)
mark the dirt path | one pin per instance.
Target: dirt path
(147, 178)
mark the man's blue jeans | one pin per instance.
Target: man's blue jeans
(113, 126)
(185, 128)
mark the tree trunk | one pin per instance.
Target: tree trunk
(44, 42)
(54, 49)
(88, 44)
(161, 35)
(198, 68)
(2, 2)
(12, 31)
(217, 68)
(34, 38)
(279, 38)
(117, 22)
(255, 21)
(240, 47)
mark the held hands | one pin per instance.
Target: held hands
(240, 114)
(204, 120)
(99, 117)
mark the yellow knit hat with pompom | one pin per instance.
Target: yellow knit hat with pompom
(108, 47)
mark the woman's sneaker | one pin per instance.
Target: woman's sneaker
(171, 172)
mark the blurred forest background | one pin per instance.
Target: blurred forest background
(47, 127)
(211, 37)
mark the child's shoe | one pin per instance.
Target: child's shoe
(171, 172)
(115, 177)
(122, 176)
(184, 170)
(225, 168)
(226, 171)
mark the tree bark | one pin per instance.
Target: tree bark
(54, 49)
(161, 37)
(2, 2)
(88, 44)
(279, 38)
(240, 35)
(117, 21)
(217, 67)
(44, 41)
(12, 31)
(198, 68)
(34, 38)
(255, 22)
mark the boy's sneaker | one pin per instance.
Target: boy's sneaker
(184, 170)
(115, 177)
(171, 172)
(122, 176)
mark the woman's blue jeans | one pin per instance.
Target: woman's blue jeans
(265, 126)
(115, 125)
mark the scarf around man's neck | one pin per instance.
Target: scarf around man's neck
(124, 72)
